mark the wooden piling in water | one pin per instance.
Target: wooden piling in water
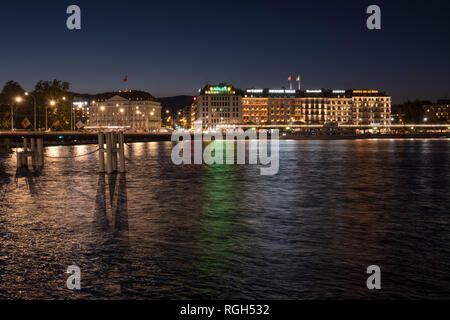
(19, 159)
(25, 153)
(40, 152)
(121, 152)
(109, 157)
(101, 152)
(114, 146)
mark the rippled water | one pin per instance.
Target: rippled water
(225, 232)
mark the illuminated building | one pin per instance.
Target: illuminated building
(80, 112)
(370, 107)
(438, 112)
(136, 111)
(218, 106)
(255, 110)
(316, 106)
(270, 106)
(339, 109)
(183, 117)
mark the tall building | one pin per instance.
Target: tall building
(319, 106)
(135, 111)
(218, 106)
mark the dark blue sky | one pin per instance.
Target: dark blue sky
(174, 48)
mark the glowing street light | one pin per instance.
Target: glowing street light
(52, 103)
(18, 100)
(34, 100)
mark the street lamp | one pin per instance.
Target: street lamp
(52, 103)
(169, 118)
(34, 98)
(18, 100)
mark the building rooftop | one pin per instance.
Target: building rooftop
(219, 89)
(314, 93)
(133, 95)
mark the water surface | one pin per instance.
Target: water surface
(226, 232)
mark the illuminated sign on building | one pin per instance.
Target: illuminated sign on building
(313, 91)
(220, 90)
(365, 91)
(255, 90)
(79, 103)
(338, 91)
(281, 91)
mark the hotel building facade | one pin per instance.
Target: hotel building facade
(218, 106)
(282, 106)
(134, 111)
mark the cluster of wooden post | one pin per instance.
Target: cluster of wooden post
(33, 148)
(115, 146)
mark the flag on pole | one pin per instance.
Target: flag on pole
(290, 78)
(298, 78)
(26, 123)
(125, 79)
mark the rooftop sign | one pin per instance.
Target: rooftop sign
(219, 90)
(313, 91)
(281, 91)
(365, 91)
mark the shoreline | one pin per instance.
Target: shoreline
(371, 137)
(71, 138)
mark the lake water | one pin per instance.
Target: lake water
(162, 231)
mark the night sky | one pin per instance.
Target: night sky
(175, 48)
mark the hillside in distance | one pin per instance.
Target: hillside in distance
(176, 103)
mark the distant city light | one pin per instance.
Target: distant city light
(255, 90)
